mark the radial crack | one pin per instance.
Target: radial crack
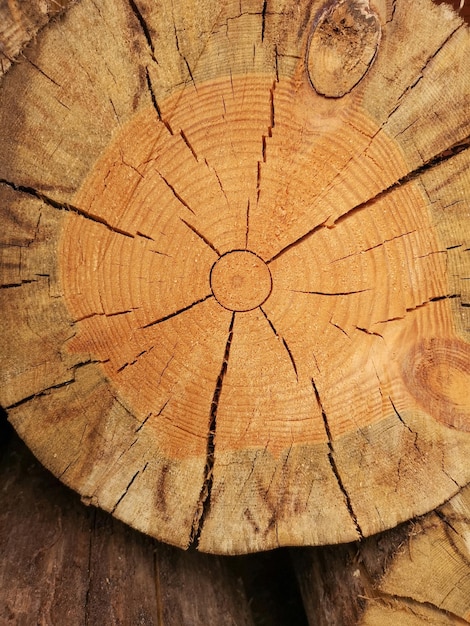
(442, 157)
(411, 309)
(20, 284)
(145, 29)
(420, 76)
(392, 12)
(368, 332)
(52, 388)
(451, 296)
(175, 193)
(139, 428)
(134, 361)
(39, 394)
(410, 430)
(104, 314)
(264, 138)
(187, 142)
(327, 293)
(399, 416)
(63, 206)
(299, 240)
(152, 94)
(148, 237)
(276, 62)
(188, 67)
(219, 182)
(339, 328)
(125, 492)
(155, 104)
(334, 467)
(183, 57)
(206, 489)
(263, 19)
(201, 236)
(175, 313)
(284, 342)
(378, 245)
(36, 67)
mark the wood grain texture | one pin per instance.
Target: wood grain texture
(417, 573)
(63, 562)
(309, 392)
(20, 22)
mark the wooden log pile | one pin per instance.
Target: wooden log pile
(235, 286)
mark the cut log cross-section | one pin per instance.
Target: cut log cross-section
(235, 261)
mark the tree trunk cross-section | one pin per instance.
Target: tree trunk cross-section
(235, 264)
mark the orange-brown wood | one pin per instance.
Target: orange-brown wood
(236, 281)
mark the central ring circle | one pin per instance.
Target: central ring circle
(240, 280)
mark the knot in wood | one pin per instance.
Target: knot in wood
(342, 47)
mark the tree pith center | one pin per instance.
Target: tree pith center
(240, 280)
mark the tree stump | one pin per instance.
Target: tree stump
(235, 264)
